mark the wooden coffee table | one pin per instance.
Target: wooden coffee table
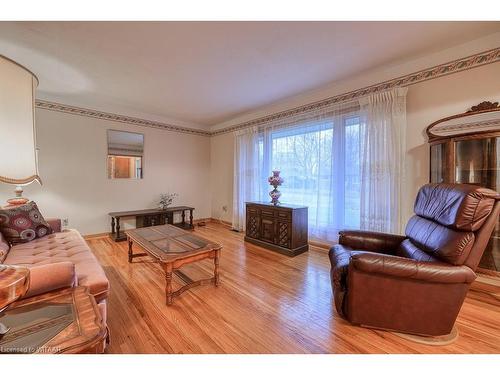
(173, 247)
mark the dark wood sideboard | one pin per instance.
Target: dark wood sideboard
(282, 228)
(150, 217)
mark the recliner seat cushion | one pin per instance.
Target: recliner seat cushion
(66, 246)
(460, 207)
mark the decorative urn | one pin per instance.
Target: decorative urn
(275, 180)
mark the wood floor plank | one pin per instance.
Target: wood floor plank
(266, 303)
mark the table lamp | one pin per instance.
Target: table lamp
(14, 283)
(19, 165)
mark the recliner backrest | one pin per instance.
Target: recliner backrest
(448, 218)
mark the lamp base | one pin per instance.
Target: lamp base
(18, 200)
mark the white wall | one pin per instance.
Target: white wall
(72, 165)
(221, 175)
(426, 102)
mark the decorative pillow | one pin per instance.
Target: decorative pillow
(23, 223)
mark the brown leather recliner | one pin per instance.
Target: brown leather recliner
(416, 283)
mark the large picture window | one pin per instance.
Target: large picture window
(320, 163)
(345, 162)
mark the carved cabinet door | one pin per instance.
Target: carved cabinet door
(268, 229)
(283, 234)
(253, 224)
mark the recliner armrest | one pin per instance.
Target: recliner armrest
(370, 241)
(49, 277)
(412, 269)
(55, 224)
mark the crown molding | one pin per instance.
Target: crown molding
(455, 66)
(58, 107)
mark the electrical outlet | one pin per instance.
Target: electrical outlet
(224, 208)
(65, 222)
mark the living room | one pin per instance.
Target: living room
(207, 187)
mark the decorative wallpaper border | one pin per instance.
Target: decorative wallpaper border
(58, 107)
(451, 67)
(469, 62)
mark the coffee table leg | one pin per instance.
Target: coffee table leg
(168, 286)
(130, 250)
(216, 268)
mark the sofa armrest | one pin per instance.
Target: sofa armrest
(55, 224)
(370, 241)
(48, 277)
(394, 266)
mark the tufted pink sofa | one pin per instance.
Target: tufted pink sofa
(58, 260)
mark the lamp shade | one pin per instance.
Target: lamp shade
(18, 165)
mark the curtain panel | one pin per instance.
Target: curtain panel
(329, 159)
(383, 131)
(247, 174)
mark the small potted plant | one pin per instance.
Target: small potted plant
(166, 200)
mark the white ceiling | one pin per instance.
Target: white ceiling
(204, 73)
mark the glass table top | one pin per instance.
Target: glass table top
(34, 325)
(170, 239)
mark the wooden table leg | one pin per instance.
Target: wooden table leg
(183, 217)
(191, 218)
(168, 286)
(130, 254)
(117, 228)
(112, 225)
(216, 267)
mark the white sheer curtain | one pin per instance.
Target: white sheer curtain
(383, 131)
(247, 174)
(344, 162)
(318, 156)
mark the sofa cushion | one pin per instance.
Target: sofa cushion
(23, 223)
(49, 277)
(66, 246)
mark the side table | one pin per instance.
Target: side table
(66, 321)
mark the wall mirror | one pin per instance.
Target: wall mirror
(125, 154)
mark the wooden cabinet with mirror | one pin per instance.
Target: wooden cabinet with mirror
(465, 148)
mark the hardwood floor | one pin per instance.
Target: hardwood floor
(266, 303)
